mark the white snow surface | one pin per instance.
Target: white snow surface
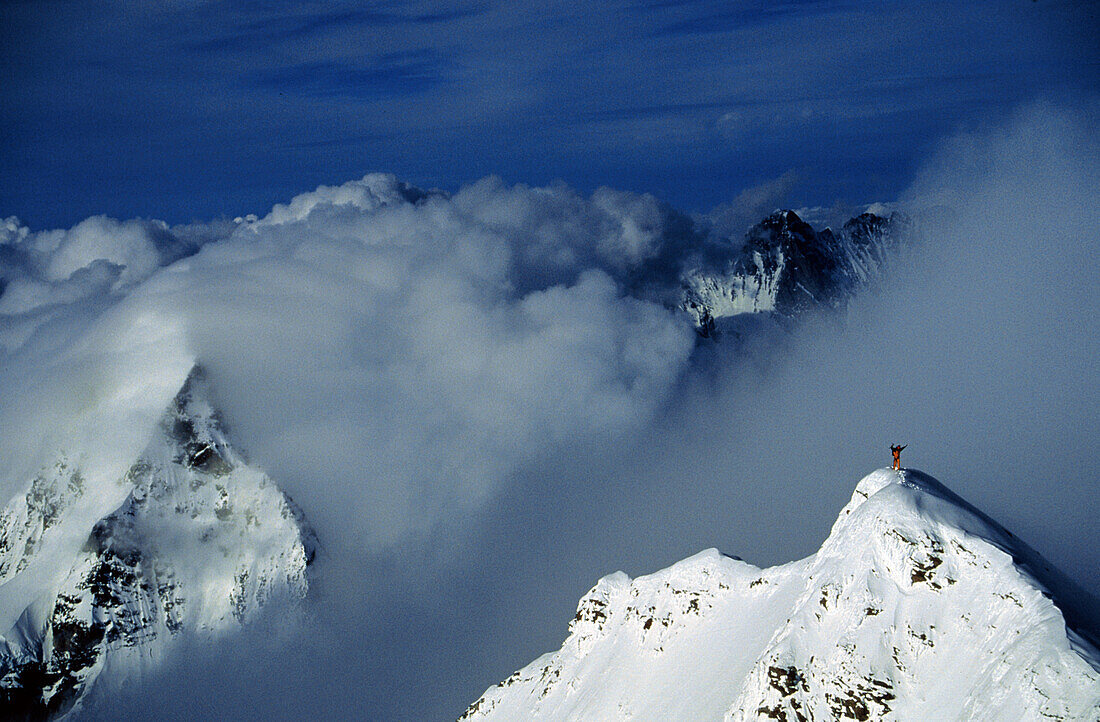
(99, 575)
(734, 294)
(916, 607)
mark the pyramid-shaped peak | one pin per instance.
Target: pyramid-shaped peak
(190, 538)
(782, 221)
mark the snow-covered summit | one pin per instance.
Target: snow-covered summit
(190, 538)
(917, 606)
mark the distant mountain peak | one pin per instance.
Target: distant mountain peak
(786, 268)
(913, 591)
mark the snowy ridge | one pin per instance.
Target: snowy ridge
(198, 541)
(917, 606)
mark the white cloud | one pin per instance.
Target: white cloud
(126, 244)
(375, 347)
(98, 256)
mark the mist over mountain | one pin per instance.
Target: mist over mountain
(479, 401)
(597, 284)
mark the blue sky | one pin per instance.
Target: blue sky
(188, 110)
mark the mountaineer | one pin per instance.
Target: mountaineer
(897, 456)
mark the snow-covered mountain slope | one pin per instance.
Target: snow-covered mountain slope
(786, 267)
(916, 607)
(194, 539)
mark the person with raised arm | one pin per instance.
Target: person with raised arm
(897, 456)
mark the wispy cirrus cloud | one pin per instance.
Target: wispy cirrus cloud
(708, 16)
(263, 30)
(385, 75)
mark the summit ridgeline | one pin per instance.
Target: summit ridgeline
(917, 606)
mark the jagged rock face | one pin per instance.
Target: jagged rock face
(24, 522)
(916, 607)
(786, 267)
(199, 542)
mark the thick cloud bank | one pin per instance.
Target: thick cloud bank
(378, 348)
